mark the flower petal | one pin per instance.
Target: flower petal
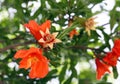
(42, 33)
(57, 41)
(50, 45)
(47, 31)
(39, 69)
(55, 34)
(34, 29)
(20, 54)
(101, 68)
(111, 59)
(72, 33)
(45, 25)
(41, 40)
(25, 63)
(116, 47)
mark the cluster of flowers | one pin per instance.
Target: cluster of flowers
(33, 58)
(109, 60)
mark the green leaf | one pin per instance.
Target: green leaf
(52, 72)
(62, 73)
(68, 81)
(113, 17)
(115, 72)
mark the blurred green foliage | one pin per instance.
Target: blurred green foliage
(66, 55)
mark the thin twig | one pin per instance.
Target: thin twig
(92, 6)
(119, 60)
(105, 24)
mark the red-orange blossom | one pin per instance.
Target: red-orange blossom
(42, 33)
(109, 60)
(35, 28)
(34, 59)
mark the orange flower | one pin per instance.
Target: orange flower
(90, 25)
(35, 28)
(48, 39)
(111, 59)
(101, 68)
(116, 47)
(33, 59)
(72, 33)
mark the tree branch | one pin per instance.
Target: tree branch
(82, 47)
(85, 47)
(15, 45)
(1, 41)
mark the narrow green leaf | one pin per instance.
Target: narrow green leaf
(52, 72)
(68, 81)
(115, 72)
(62, 73)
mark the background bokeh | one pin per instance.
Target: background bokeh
(68, 65)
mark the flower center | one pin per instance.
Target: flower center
(32, 60)
(89, 23)
(114, 58)
(49, 38)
